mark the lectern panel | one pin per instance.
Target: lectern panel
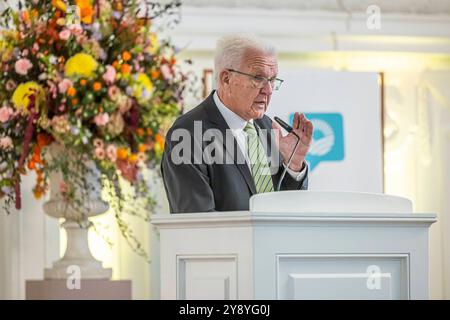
(207, 277)
(341, 276)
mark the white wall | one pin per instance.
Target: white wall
(29, 242)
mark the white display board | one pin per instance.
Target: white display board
(345, 108)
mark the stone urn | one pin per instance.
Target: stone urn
(76, 214)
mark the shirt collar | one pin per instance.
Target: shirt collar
(234, 121)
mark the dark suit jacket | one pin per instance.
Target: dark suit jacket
(201, 187)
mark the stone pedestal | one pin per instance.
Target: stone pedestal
(89, 289)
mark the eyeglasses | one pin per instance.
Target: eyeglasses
(260, 82)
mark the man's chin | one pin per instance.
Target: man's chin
(258, 113)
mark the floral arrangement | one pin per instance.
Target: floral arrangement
(92, 76)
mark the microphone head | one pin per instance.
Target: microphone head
(283, 124)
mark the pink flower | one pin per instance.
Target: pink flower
(25, 52)
(110, 75)
(101, 119)
(76, 29)
(166, 72)
(35, 48)
(63, 187)
(98, 143)
(6, 143)
(60, 124)
(5, 113)
(64, 35)
(113, 93)
(64, 85)
(111, 152)
(22, 66)
(99, 153)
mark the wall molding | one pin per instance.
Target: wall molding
(311, 31)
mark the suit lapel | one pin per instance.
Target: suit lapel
(218, 122)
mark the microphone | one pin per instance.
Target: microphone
(285, 126)
(289, 129)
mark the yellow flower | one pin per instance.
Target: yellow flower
(60, 5)
(6, 48)
(21, 95)
(143, 88)
(81, 64)
(154, 44)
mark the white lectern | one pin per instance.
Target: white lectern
(298, 245)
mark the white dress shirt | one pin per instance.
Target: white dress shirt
(237, 125)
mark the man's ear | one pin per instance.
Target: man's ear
(224, 77)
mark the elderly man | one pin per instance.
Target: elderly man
(246, 75)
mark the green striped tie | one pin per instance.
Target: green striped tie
(258, 161)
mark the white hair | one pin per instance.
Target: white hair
(231, 48)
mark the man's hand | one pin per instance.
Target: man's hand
(304, 129)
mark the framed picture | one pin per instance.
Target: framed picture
(208, 81)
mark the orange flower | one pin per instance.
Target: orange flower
(74, 102)
(132, 158)
(115, 64)
(97, 86)
(159, 139)
(37, 149)
(154, 74)
(43, 139)
(83, 82)
(86, 11)
(125, 68)
(126, 56)
(142, 148)
(38, 193)
(140, 132)
(149, 132)
(71, 91)
(36, 158)
(31, 165)
(117, 5)
(25, 16)
(122, 153)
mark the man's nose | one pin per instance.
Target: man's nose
(267, 89)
